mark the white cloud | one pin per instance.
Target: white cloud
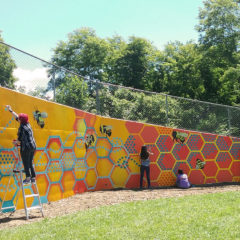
(31, 79)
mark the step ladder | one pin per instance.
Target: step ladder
(18, 175)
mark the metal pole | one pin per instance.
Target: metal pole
(97, 98)
(54, 86)
(229, 121)
(166, 100)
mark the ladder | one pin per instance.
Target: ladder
(18, 174)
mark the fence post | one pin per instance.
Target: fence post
(54, 85)
(229, 121)
(166, 100)
(97, 98)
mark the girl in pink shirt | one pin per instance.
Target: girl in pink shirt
(182, 180)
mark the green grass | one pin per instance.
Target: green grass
(211, 216)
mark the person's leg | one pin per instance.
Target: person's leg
(141, 175)
(148, 176)
(25, 160)
(31, 154)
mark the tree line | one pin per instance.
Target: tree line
(206, 70)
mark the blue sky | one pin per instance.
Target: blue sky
(37, 26)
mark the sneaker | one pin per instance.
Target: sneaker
(33, 180)
(26, 181)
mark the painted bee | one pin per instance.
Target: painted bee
(200, 164)
(179, 136)
(39, 117)
(90, 139)
(104, 129)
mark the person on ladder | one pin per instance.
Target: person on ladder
(27, 145)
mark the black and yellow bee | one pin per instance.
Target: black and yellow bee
(179, 137)
(104, 129)
(39, 117)
(89, 141)
(200, 164)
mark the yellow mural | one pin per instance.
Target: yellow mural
(79, 151)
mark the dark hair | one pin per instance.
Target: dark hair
(180, 171)
(144, 153)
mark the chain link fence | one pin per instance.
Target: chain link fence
(40, 78)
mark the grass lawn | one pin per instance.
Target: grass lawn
(210, 216)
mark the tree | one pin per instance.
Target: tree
(84, 53)
(132, 66)
(7, 66)
(219, 28)
(180, 72)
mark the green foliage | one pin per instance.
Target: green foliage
(7, 66)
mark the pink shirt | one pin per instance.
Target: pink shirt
(182, 181)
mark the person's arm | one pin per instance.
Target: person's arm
(15, 115)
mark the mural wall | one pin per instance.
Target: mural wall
(78, 151)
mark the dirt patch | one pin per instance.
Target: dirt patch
(88, 200)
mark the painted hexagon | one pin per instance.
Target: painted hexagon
(235, 169)
(133, 144)
(104, 167)
(134, 163)
(195, 142)
(54, 171)
(103, 147)
(91, 178)
(40, 161)
(180, 151)
(90, 119)
(134, 127)
(80, 169)
(55, 192)
(7, 161)
(224, 176)
(119, 157)
(192, 159)
(54, 147)
(167, 178)
(91, 158)
(79, 148)
(196, 177)
(80, 127)
(119, 177)
(183, 166)
(166, 161)
(208, 137)
(80, 187)
(12, 188)
(154, 172)
(149, 134)
(42, 184)
(224, 160)
(235, 151)
(133, 181)
(210, 180)
(209, 151)
(103, 183)
(68, 182)
(68, 139)
(68, 159)
(224, 143)
(165, 143)
(210, 169)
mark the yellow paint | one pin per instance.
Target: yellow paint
(104, 167)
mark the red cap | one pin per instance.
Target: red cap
(23, 118)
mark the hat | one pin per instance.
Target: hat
(23, 118)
